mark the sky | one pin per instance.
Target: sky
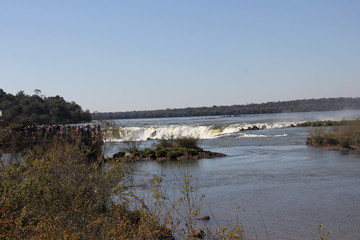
(125, 55)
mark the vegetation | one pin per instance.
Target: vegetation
(61, 189)
(182, 214)
(38, 109)
(166, 149)
(54, 193)
(180, 142)
(343, 136)
(307, 105)
(327, 123)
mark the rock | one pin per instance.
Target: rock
(204, 218)
(197, 233)
(253, 128)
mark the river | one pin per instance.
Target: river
(275, 185)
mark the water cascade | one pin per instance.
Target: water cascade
(142, 133)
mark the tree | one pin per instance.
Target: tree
(37, 109)
(37, 91)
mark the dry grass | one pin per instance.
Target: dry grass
(341, 137)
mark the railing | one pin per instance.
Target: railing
(86, 136)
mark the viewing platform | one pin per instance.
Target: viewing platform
(88, 137)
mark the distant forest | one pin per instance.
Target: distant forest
(38, 109)
(306, 105)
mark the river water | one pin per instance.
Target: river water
(275, 185)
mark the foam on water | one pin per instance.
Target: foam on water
(246, 135)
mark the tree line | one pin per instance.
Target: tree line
(305, 105)
(38, 109)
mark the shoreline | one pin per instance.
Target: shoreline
(338, 148)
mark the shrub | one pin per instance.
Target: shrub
(187, 142)
(180, 142)
(345, 134)
(131, 146)
(57, 194)
(174, 154)
(317, 140)
(161, 153)
(148, 153)
(191, 152)
(119, 154)
(330, 140)
(166, 143)
(346, 142)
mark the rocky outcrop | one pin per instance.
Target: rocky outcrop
(166, 155)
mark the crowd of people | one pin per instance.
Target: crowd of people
(48, 132)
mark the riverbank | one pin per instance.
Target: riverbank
(344, 137)
(327, 123)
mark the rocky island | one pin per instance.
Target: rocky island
(184, 148)
(343, 135)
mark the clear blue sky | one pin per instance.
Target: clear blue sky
(116, 55)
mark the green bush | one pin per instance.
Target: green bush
(330, 140)
(345, 142)
(317, 140)
(119, 154)
(161, 153)
(174, 154)
(180, 142)
(192, 152)
(148, 153)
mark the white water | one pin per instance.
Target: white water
(218, 127)
(198, 131)
(246, 135)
